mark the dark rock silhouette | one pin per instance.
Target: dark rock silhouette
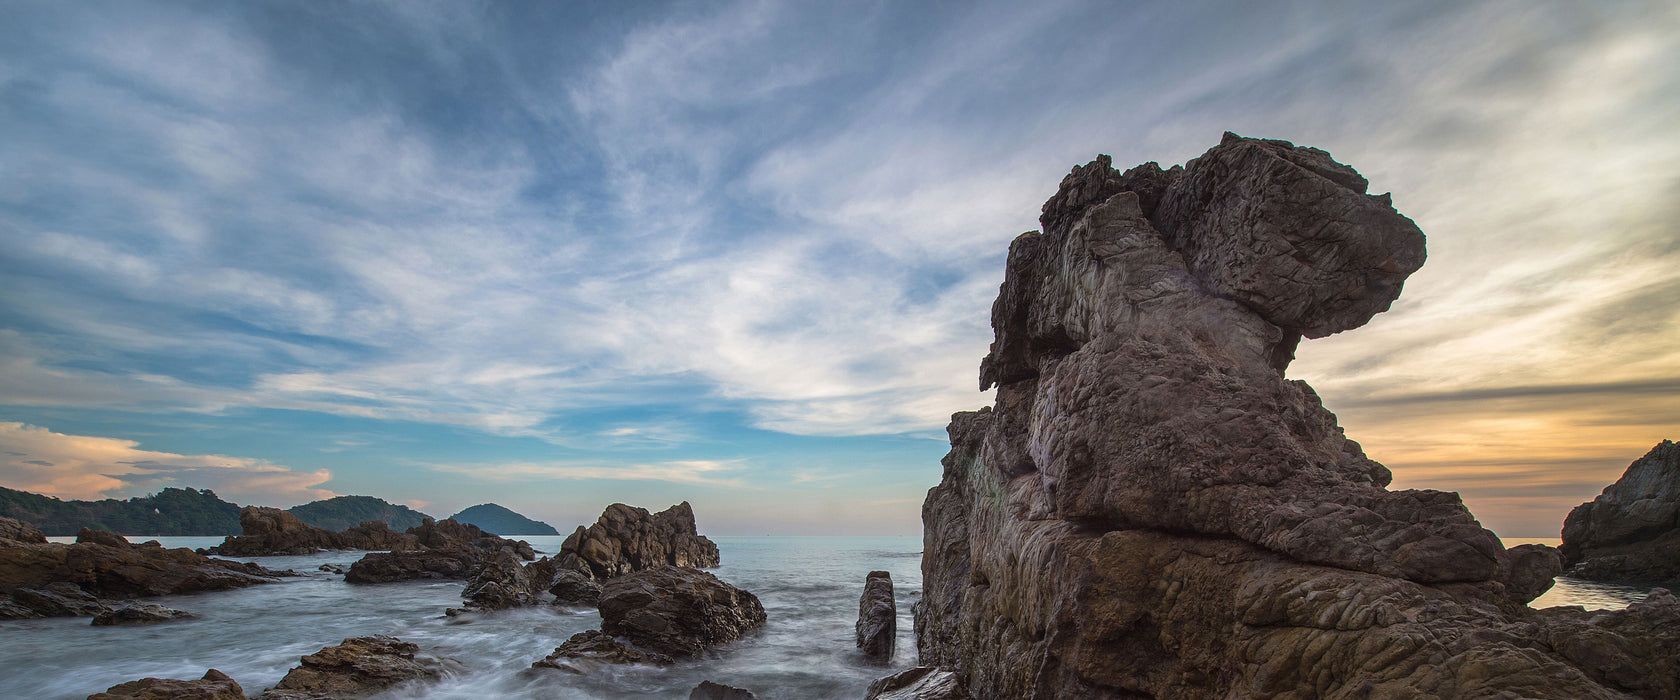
(47, 579)
(1631, 532)
(137, 613)
(627, 539)
(442, 550)
(215, 685)
(708, 690)
(587, 652)
(877, 623)
(359, 667)
(275, 532)
(677, 611)
(1150, 509)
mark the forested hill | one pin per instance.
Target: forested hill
(169, 512)
(342, 512)
(498, 520)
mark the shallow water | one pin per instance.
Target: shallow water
(809, 586)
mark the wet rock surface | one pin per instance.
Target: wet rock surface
(1630, 533)
(215, 685)
(626, 539)
(708, 690)
(920, 683)
(47, 579)
(359, 667)
(275, 532)
(136, 613)
(588, 652)
(573, 588)
(1150, 509)
(877, 624)
(677, 611)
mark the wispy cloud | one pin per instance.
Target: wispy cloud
(696, 472)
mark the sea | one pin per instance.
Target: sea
(809, 587)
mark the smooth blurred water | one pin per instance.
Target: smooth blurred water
(809, 587)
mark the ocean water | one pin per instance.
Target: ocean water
(809, 587)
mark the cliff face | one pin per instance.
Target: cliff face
(1631, 532)
(1152, 509)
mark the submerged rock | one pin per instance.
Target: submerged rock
(135, 613)
(215, 685)
(588, 652)
(920, 683)
(359, 667)
(1150, 509)
(877, 623)
(1631, 532)
(708, 690)
(627, 539)
(677, 611)
(274, 532)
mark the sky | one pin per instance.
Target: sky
(558, 255)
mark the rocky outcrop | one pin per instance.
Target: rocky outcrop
(136, 613)
(708, 690)
(359, 667)
(627, 539)
(920, 683)
(877, 623)
(1150, 509)
(587, 652)
(13, 531)
(571, 587)
(275, 532)
(442, 550)
(215, 685)
(1631, 532)
(502, 582)
(47, 579)
(677, 611)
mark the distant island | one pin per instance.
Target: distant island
(498, 520)
(188, 512)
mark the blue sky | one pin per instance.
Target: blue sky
(555, 255)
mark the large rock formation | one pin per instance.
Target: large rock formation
(677, 611)
(1631, 532)
(442, 549)
(877, 623)
(215, 685)
(274, 532)
(46, 579)
(1152, 510)
(359, 667)
(627, 539)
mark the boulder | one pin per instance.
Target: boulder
(275, 532)
(109, 539)
(502, 582)
(627, 539)
(136, 613)
(677, 611)
(588, 652)
(359, 667)
(215, 685)
(14, 531)
(442, 550)
(877, 623)
(708, 690)
(1151, 509)
(920, 683)
(573, 588)
(60, 599)
(1631, 532)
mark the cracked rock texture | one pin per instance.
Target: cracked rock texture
(1151, 509)
(1631, 532)
(627, 539)
(215, 685)
(359, 667)
(877, 623)
(677, 611)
